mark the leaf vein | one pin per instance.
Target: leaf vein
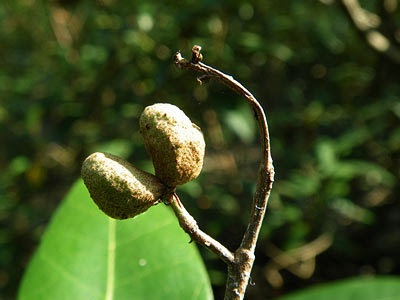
(69, 276)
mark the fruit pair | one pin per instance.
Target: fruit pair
(176, 147)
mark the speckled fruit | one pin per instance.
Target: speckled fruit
(175, 144)
(119, 189)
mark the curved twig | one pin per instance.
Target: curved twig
(240, 268)
(189, 225)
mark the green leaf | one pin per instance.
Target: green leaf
(86, 255)
(378, 288)
(119, 147)
(241, 122)
(326, 156)
(352, 211)
(299, 185)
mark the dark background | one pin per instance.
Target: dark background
(75, 76)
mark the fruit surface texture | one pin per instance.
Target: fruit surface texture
(175, 144)
(119, 189)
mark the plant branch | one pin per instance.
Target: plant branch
(368, 23)
(189, 225)
(239, 271)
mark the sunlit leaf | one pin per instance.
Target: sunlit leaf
(87, 255)
(379, 288)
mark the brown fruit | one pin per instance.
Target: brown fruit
(119, 189)
(175, 144)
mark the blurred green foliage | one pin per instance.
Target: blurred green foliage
(382, 287)
(75, 76)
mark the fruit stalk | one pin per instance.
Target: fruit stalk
(189, 225)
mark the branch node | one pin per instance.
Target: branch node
(259, 208)
(196, 55)
(179, 60)
(203, 79)
(251, 282)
